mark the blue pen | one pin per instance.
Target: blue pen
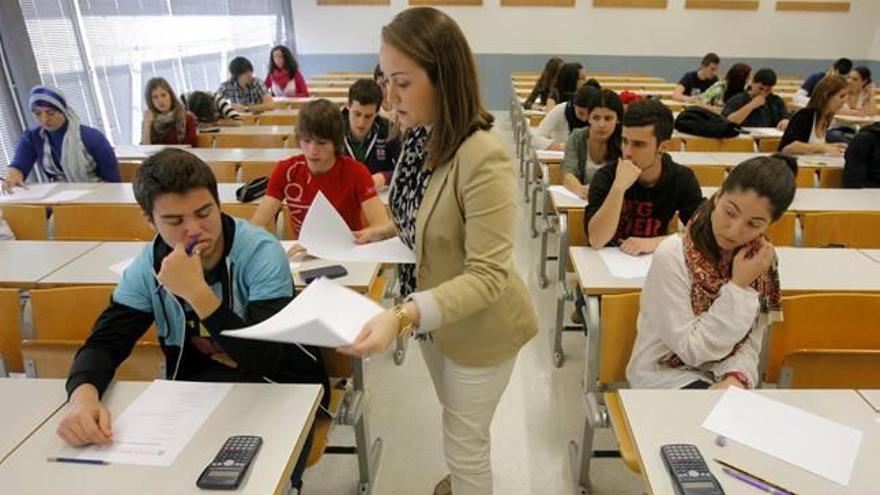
(77, 461)
(190, 246)
(753, 480)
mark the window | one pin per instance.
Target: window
(9, 122)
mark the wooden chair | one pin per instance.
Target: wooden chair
(675, 144)
(224, 171)
(555, 174)
(128, 169)
(831, 368)
(806, 177)
(254, 170)
(246, 211)
(708, 176)
(28, 222)
(277, 119)
(782, 231)
(847, 229)
(768, 145)
(714, 144)
(10, 330)
(250, 141)
(69, 313)
(831, 178)
(205, 140)
(106, 222)
(823, 321)
(52, 359)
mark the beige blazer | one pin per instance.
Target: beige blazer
(464, 255)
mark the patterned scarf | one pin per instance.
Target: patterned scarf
(707, 278)
(77, 165)
(167, 122)
(408, 186)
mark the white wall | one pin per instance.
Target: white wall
(586, 30)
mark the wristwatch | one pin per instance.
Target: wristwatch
(404, 322)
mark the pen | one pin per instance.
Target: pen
(190, 246)
(753, 480)
(74, 460)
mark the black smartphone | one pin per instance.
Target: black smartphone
(332, 271)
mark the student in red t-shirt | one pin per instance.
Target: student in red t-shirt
(345, 182)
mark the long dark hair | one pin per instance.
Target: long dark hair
(290, 65)
(737, 77)
(549, 74)
(566, 82)
(771, 177)
(608, 99)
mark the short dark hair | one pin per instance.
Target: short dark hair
(239, 66)
(649, 111)
(709, 59)
(321, 119)
(365, 92)
(842, 66)
(765, 76)
(171, 170)
(203, 106)
(583, 95)
(593, 82)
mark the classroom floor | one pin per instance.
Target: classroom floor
(541, 411)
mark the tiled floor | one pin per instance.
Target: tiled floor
(541, 411)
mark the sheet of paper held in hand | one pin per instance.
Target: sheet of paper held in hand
(806, 440)
(314, 317)
(325, 235)
(156, 427)
(622, 265)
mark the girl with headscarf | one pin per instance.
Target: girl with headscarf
(51, 152)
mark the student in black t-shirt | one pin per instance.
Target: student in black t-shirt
(369, 137)
(695, 82)
(632, 201)
(758, 106)
(862, 167)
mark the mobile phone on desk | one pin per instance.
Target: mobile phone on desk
(331, 271)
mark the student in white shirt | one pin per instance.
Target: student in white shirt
(860, 93)
(552, 133)
(712, 291)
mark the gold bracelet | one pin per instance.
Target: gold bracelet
(404, 322)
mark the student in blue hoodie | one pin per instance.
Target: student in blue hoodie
(205, 272)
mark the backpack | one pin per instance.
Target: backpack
(706, 123)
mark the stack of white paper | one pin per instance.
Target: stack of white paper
(156, 427)
(325, 235)
(563, 191)
(324, 314)
(32, 193)
(785, 432)
(622, 265)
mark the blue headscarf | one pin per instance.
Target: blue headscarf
(78, 164)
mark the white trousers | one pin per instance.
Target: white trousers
(469, 397)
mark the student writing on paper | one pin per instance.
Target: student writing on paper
(758, 106)
(541, 92)
(59, 148)
(322, 167)
(712, 291)
(808, 129)
(234, 275)
(693, 83)
(631, 202)
(840, 67)
(554, 129)
(369, 137)
(246, 93)
(588, 148)
(283, 77)
(166, 121)
(453, 200)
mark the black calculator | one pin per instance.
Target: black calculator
(231, 463)
(690, 474)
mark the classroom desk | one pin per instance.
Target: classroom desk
(872, 397)
(298, 102)
(142, 151)
(24, 263)
(283, 419)
(281, 116)
(112, 193)
(360, 278)
(873, 254)
(658, 417)
(269, 155)
(250, 130)
(28, 403)
(93, 268)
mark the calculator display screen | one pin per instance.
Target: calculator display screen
(699, 485)
(217, 473)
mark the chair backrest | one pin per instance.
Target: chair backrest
(768, 145)
(823, 321)
(782, 231)
(715, 144)
(68, 313)
(831, 368)
(806, 177)
(10, 329)
(577, 235)
(859, 230)
(246, 211)
(108, 222)
(554, 174)
(28, 222)
(277, 119)
(52, 359)
(205, 140)
(675, 144)
(250, 141)
(127, 169)
(253, 170)
(224, 171)
(619, 315)
(708, 176)
(831, 178)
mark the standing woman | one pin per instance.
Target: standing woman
(452, 202)
(284, 77)
(806, 133)
(544, 83)
(166, 120)
(59, 149)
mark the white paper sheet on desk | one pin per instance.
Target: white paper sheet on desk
(622, 265)
(872, 397)
(158, 425)
(801, 438)
(822, 160)
(563, 191)
(33, 192)
(68, 195)
(119, 268)
(325, 235)
(550, 154)
(324, 314)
